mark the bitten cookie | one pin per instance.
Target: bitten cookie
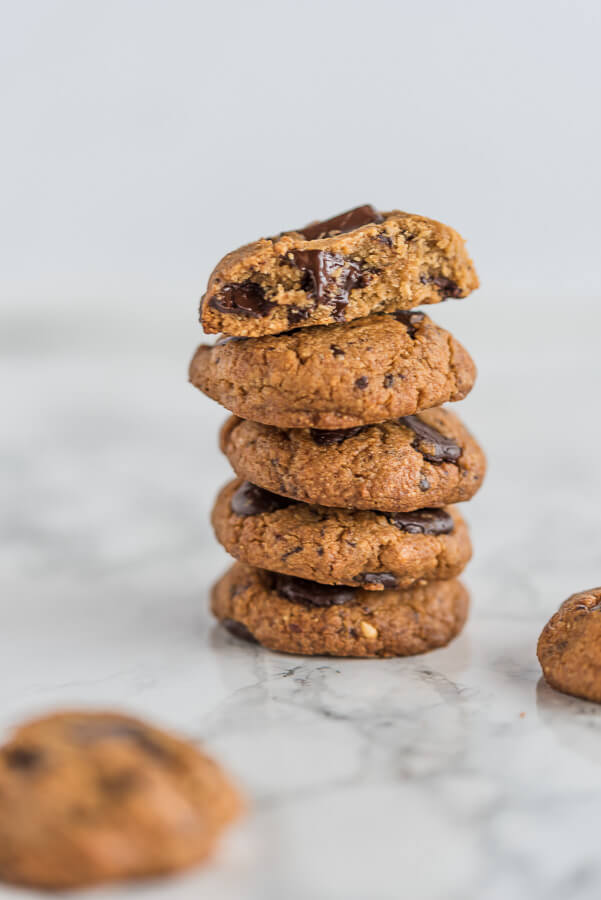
(569, 648)
(339, 546)
(344, 268)
(339, 376)
(88, 797)
(426, 460)
(295, 616)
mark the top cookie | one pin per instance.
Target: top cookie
(359, 262)
(92, 797)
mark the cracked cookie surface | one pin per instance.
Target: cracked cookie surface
(569, 648)
(89, 797)
(279, 613)
(340, 376)
(338, 270)
(340, 546)
(387, 466)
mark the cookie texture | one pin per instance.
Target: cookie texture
(338, 270)
(369, 370)
(426, 460)
(92, 797)
(280, 613)
(569, 648)
(340, 546)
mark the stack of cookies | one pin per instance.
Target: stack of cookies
(339, 517)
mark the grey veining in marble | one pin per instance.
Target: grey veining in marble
(450, 776)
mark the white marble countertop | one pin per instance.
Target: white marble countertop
(454, 775)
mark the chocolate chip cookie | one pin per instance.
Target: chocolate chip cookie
(295, 616)
(339, 376)
(91, 797)
(340, 546)
(569, 648)
(359, 262)
(426, 460)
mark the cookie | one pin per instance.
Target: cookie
(347, 267)
(569, 648)
(339, 546)
(426, 460)
(295, 616)
(339, 376)
(92, 797)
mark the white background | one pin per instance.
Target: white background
(140, 141)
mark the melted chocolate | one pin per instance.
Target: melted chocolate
(446, 287)
(244, 299)
(342, 224)
(335, 436)
(251, 500)
(410, 319)
(423, 521)
(300, 590)
(433, 446)
(328, 277)
(239, 630)
(386, 579)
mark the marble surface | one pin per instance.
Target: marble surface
(458, 774)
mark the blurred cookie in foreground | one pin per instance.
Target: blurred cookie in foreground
(88, 797)
(569, 648)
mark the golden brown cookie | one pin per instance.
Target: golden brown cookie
(87, 797)
(426, 460)
(334, 271)
(569, 648)
(295, 616)
(340, 546)
(338, 376)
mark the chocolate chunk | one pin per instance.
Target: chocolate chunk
(88, 731)
(239, 630)
(244, 299)
(385, 239)
(423, 521)
(328, 277)
(297, 314)
(251, 500)
(336, 351)
(24, 758)
(386, 579)
(433, 446)
(335, 436)
(362, 382)
(341, 224)
(446, 287)
(300, 590)
(424, 484)
(410, 319)
(388, 380)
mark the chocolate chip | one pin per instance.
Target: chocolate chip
(300, 590)
(244, 299)
(24, 758)
(298, 314)
(424, 484)
(336, 351)
(341, 224)
(385, 238)
(388, 380)
(239, 630)
(251, 500)
(328, 277)
(386, 579)
(362, 382)
(423, 521)
(335, 436)
(433, 446)
(291, 553)
(446, 287)
(410, 319)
